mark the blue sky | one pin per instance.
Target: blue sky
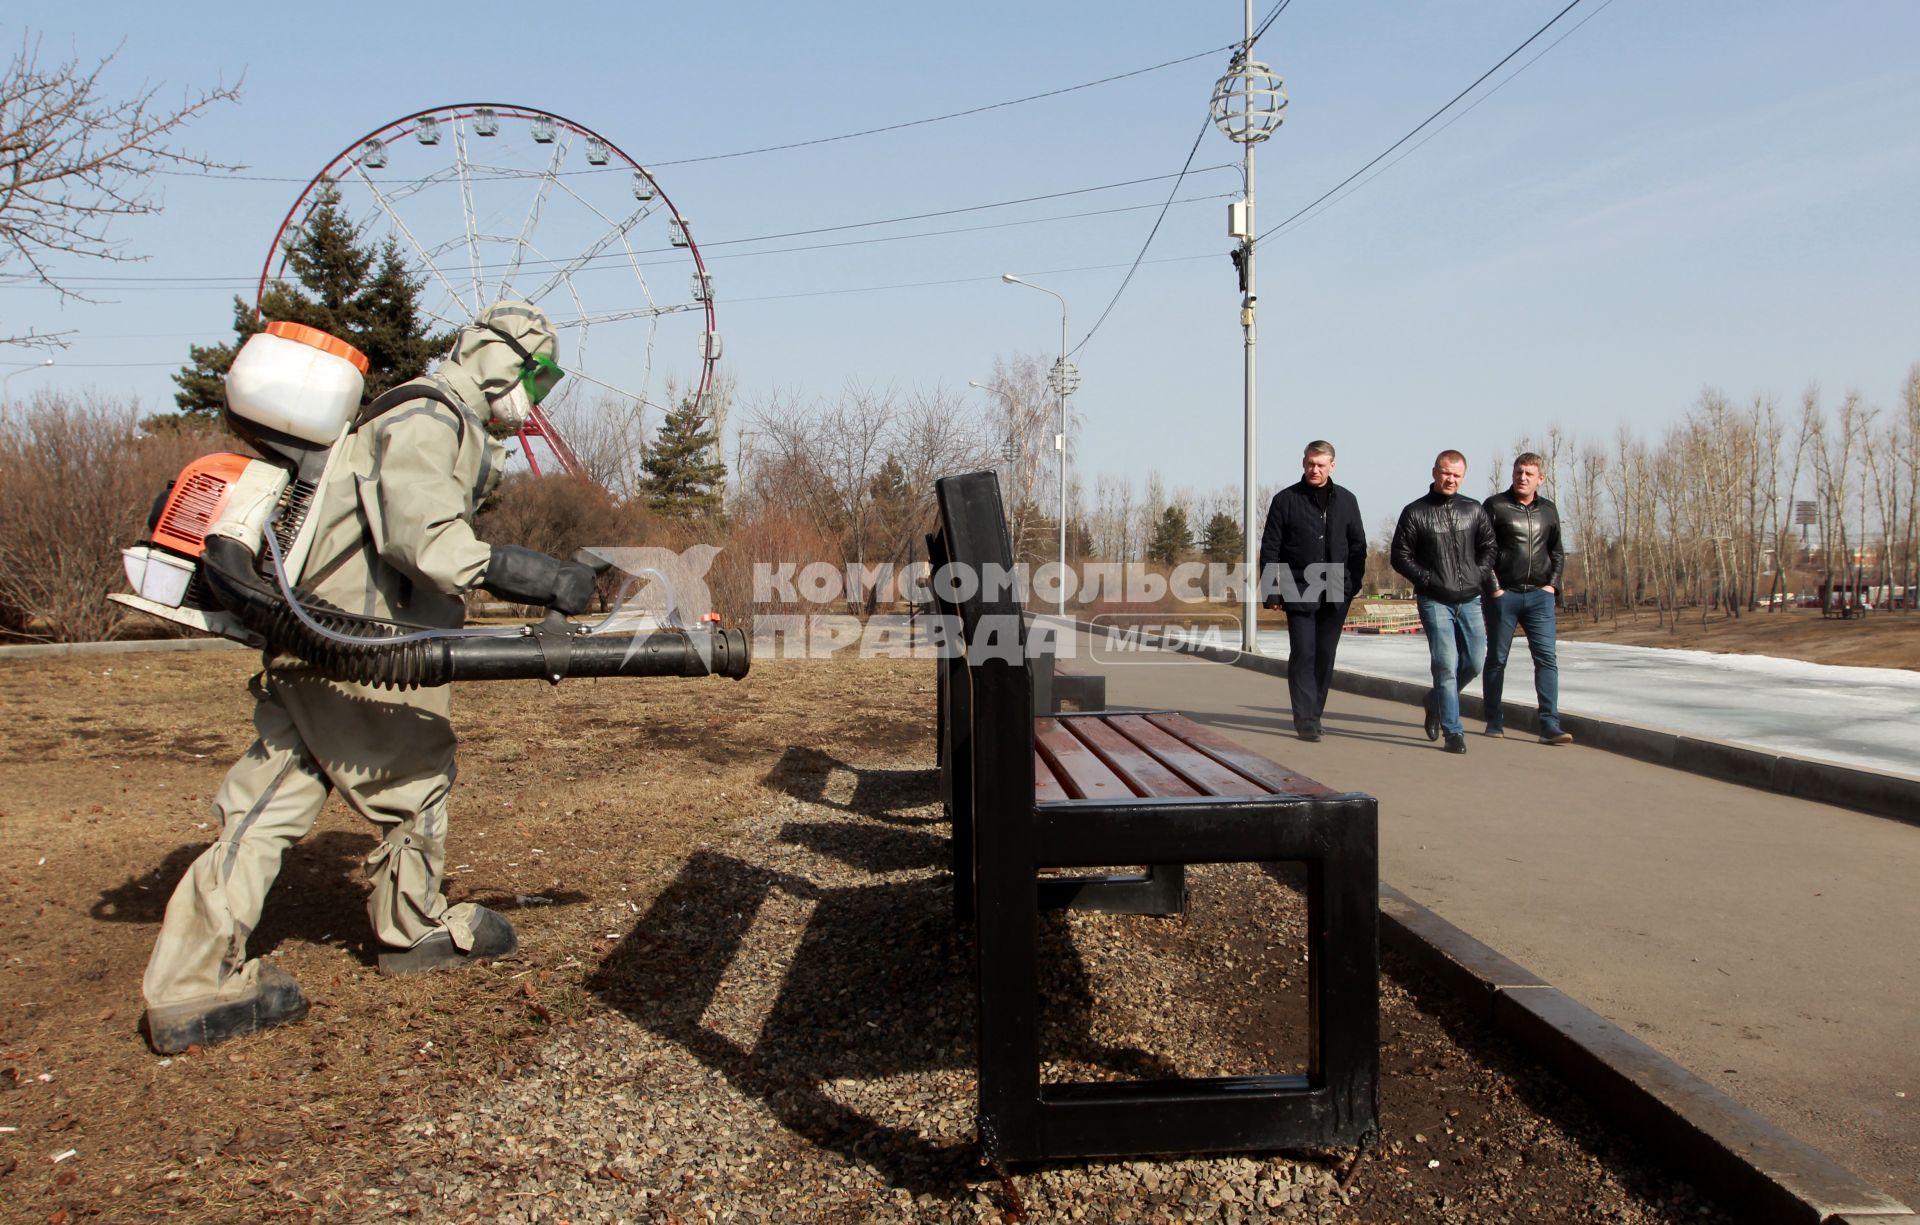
(1715, 193)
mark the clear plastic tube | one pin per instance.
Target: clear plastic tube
(506, 631)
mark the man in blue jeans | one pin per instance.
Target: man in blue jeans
(1526, 532)
(1444, 545)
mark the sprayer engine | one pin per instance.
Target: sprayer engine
(225, 494)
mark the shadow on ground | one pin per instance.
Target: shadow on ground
(877, 985)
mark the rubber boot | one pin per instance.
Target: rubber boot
(275, 1000)
(493, 936)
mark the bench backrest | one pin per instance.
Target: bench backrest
(997, 677)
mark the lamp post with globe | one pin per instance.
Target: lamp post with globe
(1249, 104)
(1064, 378)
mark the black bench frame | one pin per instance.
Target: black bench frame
(1003, 838)
(1160, 890)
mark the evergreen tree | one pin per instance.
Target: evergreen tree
(680, 476)
(1172, 539)
(892, 513)
(1221, 540)
(340, 285)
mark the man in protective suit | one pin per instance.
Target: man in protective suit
(394, 539)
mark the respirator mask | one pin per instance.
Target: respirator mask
(539, 375)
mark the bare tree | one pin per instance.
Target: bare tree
(1764, 504)
(1583, 493)
(74, 161)
(862, 469)
(1021, 429)
(1910, 463)
(931, 436)
(1113, 518)
(609, 436)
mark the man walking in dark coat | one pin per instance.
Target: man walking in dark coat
(1313, 556)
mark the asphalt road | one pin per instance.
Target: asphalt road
(1770, 945)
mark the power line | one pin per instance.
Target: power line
(1128, 279)
(95, 365)
(1541, 54)
(961, 280)
(798, 144)
(1277, 10)
(913, 123)
(234, 281)
(1424, 122)
(972, 208)
(973, 229)
(222, 283)
(1241, 53)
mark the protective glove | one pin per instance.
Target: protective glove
(526, 576)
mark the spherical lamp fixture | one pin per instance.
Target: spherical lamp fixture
(1249, 103)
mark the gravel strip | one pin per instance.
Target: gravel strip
(788, 1037)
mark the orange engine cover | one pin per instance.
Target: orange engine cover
(199, 494)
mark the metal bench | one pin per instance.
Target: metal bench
(1034, 791)
(1154, 889)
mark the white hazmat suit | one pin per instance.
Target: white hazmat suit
(394, 539)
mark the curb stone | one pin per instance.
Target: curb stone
(48, 650)
(1749, 1163)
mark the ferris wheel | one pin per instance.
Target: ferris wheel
(491, 201)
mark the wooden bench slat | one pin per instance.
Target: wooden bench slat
(1080, 771)
(1205, 774)
(1267, 773)
(1046, 788)
(1142, 771)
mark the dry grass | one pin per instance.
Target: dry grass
(587, 795)
(1879, 640)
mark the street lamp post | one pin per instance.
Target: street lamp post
(1064, 378)
(1249, 104)
(6, 382)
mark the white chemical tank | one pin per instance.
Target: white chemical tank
(298, 380)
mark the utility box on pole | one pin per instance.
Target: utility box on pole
(1238, 225)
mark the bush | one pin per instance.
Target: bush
(561, 514)
(77, 479)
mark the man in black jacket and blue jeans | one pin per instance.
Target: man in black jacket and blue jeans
(1444, 545)
(1313, 554)
(1526, 532)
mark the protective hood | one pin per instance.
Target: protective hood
(485, 352)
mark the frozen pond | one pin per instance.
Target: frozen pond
(1861, 716)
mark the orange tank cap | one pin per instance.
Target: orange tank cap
(318, 339)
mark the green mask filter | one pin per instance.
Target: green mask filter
(539, 374)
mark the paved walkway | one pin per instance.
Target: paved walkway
(1770, 945)
(1867, 717)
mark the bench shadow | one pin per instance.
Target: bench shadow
(864, 847)
(876, 984)
(807, 774)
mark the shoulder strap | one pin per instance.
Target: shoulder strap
(394, 397)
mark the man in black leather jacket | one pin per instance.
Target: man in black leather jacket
(1526, 531)
(1316, 552)
(1444, 545)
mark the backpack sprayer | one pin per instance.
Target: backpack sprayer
(292, 394)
